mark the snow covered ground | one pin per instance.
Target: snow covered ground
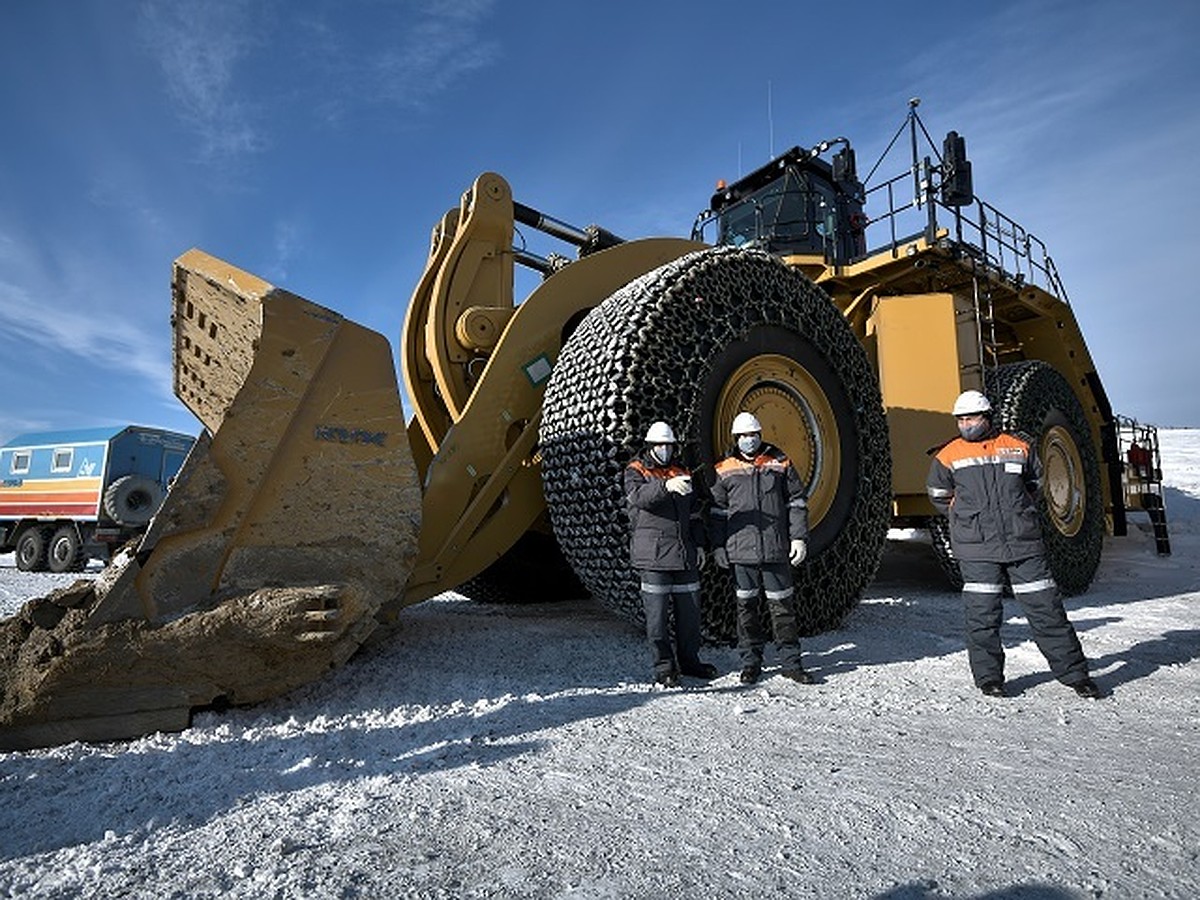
(518, 751)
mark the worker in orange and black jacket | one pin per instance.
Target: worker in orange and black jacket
(666, 547)
(760, 528)
(985, 482)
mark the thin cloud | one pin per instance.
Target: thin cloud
(100, 330)
(437, 51)
(199, 46)
(288, 245)
(1058, 59)
(107, 341)
(410, 55)
(220, 78)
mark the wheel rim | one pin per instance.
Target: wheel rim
(1065, 489)
(796, 416)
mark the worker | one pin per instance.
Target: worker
(760, 527)
(985, 482)
(667, 549)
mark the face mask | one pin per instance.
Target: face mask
(662, 453)
(748, 443)
(975, 430)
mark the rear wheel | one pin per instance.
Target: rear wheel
(694, 343)
(939, 535)
(1035, 401)
(31, 549)
(65, 553)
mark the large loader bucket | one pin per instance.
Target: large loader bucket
(229, 598)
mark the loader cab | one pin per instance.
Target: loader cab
(797, 204)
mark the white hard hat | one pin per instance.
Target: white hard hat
(745, 423)
(660, 433)
(971, 402)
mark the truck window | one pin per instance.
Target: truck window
(62, 459)
(20, 462)
(777, 214)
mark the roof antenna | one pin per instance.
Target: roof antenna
(770, 124)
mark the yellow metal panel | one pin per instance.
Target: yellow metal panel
(920, 344)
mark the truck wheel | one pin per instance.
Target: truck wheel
(693, 343)
(31, 549)
(1035, 401)
(132, 500)
(939, 535)
(66, 551)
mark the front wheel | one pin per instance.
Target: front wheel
(693, 343)
(32, 546)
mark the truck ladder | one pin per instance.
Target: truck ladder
(1142, 476)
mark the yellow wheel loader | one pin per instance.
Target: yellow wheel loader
(310, 512)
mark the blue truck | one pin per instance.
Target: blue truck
(69, 496)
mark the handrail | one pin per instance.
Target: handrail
(994, 240)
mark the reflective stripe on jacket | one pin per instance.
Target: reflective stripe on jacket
(759, 507)
(666, 527)
(988, 490)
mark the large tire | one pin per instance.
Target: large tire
(31, 549)
(534, 570)
(132, 500)
(65, 553)
(1036, 402)
(939, 537)
(692, 343)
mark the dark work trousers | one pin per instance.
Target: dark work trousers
(664, 594)
(774, 580)
(1033, 586)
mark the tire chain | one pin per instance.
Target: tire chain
(939, 535)
(643, 355)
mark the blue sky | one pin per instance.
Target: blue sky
(316, 143)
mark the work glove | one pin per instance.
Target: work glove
(798, 552)
(721, 558)
(680, 484)
(700, 557)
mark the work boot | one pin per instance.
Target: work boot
(800, 676)
(702, 670)
(1087, 688)
(993, 688)
(667, 679)
(750, 674)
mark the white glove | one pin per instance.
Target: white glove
(798, 552)
(700, 557)
(721, 558)
(680, 484)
